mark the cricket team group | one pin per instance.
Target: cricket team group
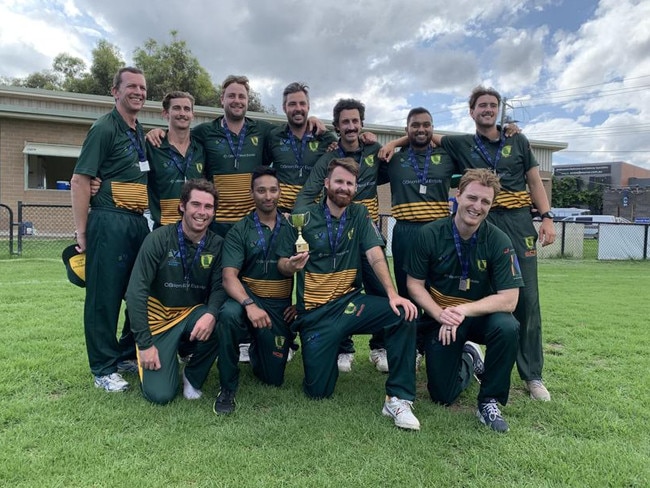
(248, 214)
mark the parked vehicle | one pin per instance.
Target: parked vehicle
(592, 223)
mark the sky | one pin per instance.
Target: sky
(573, 71)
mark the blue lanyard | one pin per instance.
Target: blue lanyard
(242, 135)
(276, 230)
(493, 163)
(356, 155)
(334, 244)
(187, 270)
(182, 169)
(421, 173)
(464, 260)
(294, 147)
(137, 139)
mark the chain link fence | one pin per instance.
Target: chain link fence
(43, 231)
(605, 241)
(38, 231)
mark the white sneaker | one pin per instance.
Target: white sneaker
(111, 382)
(401, 412)
(189, 392)
(418, 361)
(290, 355)
(379, 359)
(243, 353)
(344, 362)
(538, 391)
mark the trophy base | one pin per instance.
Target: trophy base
(302, 247)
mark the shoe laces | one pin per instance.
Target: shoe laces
(536, 383)
(491, 411)
(401, 405)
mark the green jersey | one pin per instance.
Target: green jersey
(512, 157)
(335, 248)
(169, 170)
(229, 162)
(490, 261)
(168, 281)
(111, 152)
(250, 247)
(294, 159)
(419, 184)
(369, 165)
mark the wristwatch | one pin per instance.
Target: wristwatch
(247, 301)
(548, 215)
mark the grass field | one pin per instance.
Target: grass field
(57, 430)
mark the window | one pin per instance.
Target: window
(49, 166)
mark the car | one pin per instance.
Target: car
(592, 223)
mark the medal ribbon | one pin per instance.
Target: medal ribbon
(240, 144)
(421, 173)
(182, 168)
(334, 244)
(187, 269)
(137, 139)
(276, 230)
(464, 260)
(493, 163)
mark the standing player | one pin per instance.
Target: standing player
(174, 297)
(419, 177)
(294, 150)
(464, 273)
(348, 118)
(260, 296)
(513, 161)
(113, 230)
(330, 304)
(178, 159)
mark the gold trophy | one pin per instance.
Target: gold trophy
(298, 221)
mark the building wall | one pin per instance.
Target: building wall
(638, 203)
(14, 133)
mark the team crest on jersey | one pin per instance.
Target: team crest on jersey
(506, 151)
(206, 260)
(199, 167)
(350, 234)
(313, 146)
(279, 342)
(350, 309)
(436, 158)
(369, 160)
(481, 264)
(530, 242)
(255, 140)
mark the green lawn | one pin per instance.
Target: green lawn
(58, 430)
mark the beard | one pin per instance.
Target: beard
(340, 199)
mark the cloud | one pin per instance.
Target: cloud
(553, 57)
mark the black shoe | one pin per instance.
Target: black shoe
(225, 402)
(489, 414)
(477, 359)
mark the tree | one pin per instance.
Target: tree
(571, 192)
(172, 66)
(46, 80)
(107, 60)
(69, 68)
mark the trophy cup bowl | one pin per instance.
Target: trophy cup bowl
(298, 221)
